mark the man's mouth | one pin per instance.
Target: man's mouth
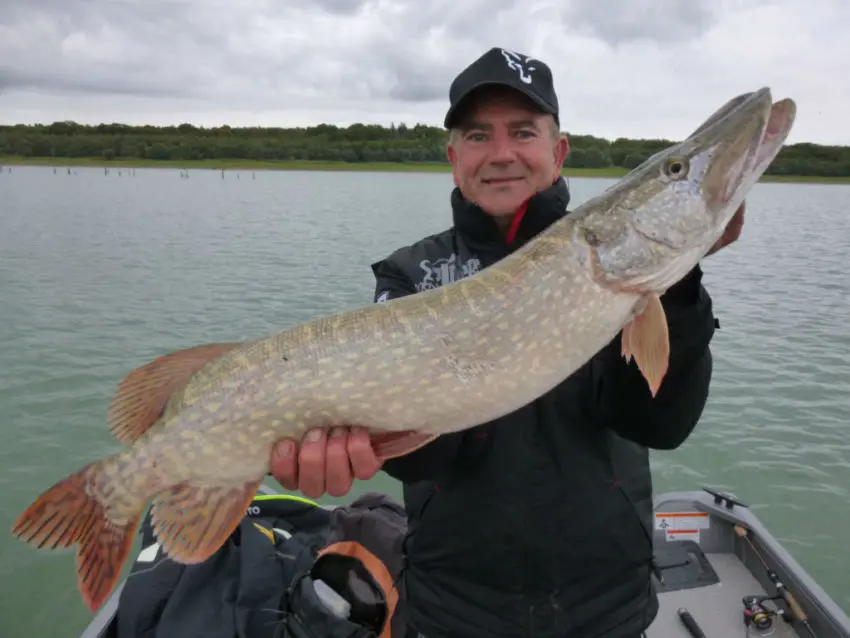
(501, 180)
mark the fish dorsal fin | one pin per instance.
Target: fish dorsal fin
(142, 395)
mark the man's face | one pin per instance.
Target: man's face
(505, 152)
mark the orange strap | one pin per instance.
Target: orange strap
(376, 568)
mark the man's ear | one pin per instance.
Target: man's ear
(451, 154)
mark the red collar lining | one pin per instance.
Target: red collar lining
(517, 220)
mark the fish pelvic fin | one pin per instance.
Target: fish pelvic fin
(191, 522)
(143, 394)
(647, 340)
(389, 445)
(66, 515)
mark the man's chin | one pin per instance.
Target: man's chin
(501, 207)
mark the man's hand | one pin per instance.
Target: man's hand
(732, 232)
(325, 463)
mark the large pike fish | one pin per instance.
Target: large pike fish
(199, 424)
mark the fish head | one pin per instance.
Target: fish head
(650, 229)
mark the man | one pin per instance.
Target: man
(539, 523)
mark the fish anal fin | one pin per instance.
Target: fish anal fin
(66, 515)
(191, 522)
(389, 445)
(646, 340)
(142, 395)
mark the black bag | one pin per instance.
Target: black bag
(262, 582)
(361, 562)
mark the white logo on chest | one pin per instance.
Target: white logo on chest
(440, 272)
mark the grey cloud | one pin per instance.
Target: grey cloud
(424, 45)
(61, 46)
(210, 49)
(286, 61)
(342, 7)
(11, 79)
(662, 21)
(417, 88)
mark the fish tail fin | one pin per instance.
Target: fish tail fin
(66, 515)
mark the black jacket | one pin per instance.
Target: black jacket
(539, 523)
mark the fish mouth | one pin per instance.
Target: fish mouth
(759, 128)
(761, 152)
(782, 115)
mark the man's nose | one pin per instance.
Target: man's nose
(503, 149)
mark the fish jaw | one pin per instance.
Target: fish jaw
(731, 183)
(783, 114)
(651, 229)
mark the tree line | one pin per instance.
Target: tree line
(355, 143)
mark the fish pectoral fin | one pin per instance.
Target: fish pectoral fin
(625, 343)
(389, 445)
(67, 515)
(142, 395)
(647, 340)
(191, 522)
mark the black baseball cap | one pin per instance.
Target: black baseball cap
(504, 67)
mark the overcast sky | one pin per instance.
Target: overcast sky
(634, 68)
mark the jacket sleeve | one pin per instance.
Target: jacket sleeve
(426, 462)
(621, 396)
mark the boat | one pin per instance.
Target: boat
(721, 569)
(719, 574)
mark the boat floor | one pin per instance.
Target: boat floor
(717, 608)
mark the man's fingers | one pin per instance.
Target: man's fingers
(284, 464)
(325, 462)
(363, 460)
(311, 463)
(338, 477)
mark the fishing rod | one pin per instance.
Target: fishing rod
(753, 611)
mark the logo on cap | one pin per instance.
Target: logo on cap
(516, 62)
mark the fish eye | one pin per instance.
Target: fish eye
(676, 167)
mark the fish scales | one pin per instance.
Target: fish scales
(199, 424)
(407, 382)
(369, 366)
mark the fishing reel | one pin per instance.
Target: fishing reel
(757, 615)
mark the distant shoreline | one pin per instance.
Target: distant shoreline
(305, 165)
